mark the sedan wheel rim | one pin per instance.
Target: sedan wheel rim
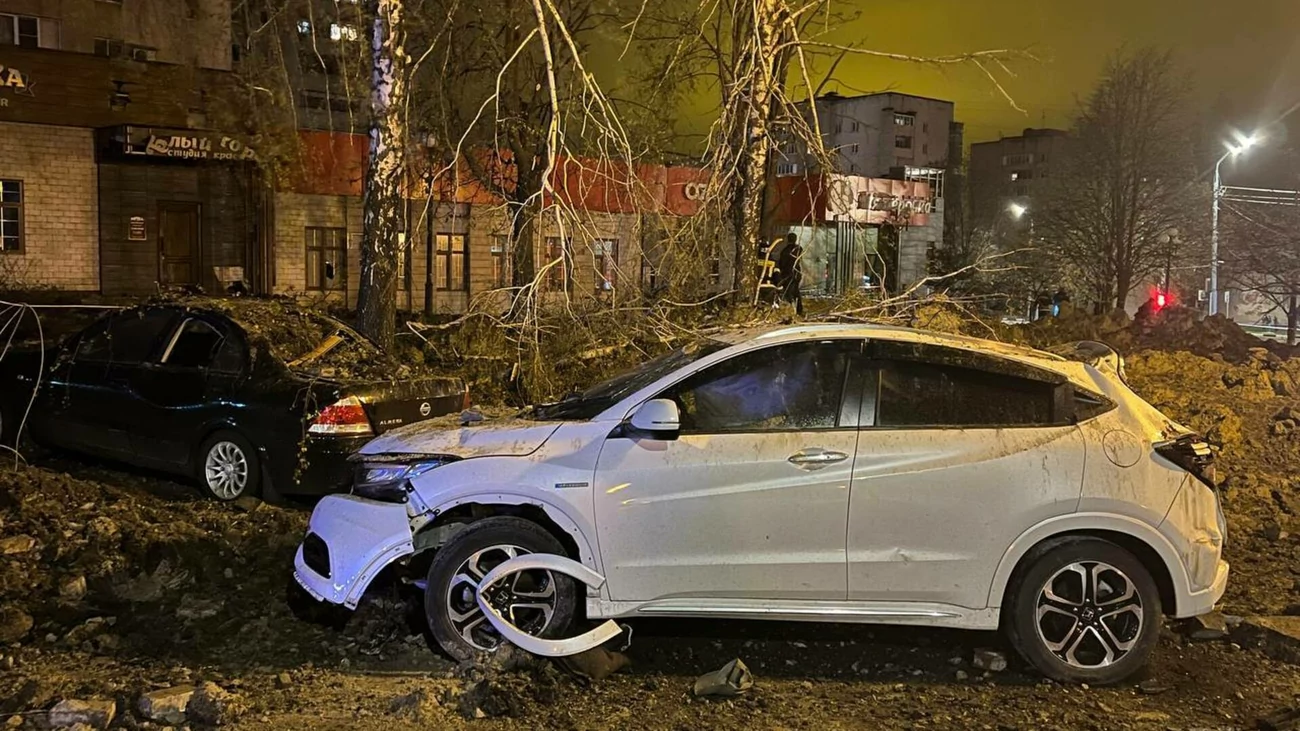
(527, 598)
(225, 470)
(1089, 615)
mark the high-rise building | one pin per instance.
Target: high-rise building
(1012, 170)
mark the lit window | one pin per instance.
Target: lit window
(451, 270)
(903, 141)
(904, 120)
(343, 32)
(304, 27)
(606, 251)
(500, 260)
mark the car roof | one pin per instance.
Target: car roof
(895, 333)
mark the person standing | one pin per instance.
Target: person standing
(789, 262)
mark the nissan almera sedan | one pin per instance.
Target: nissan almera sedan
(845, 473)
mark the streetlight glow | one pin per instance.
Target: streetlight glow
(1244, 142)
(1017, 210)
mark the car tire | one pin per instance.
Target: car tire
(1084, 610)
(455, 621)
(227, 467)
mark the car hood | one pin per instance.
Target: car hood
(498, 438)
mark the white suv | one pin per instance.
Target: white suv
(846, 473)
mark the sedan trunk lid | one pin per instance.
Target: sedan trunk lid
(502, 438)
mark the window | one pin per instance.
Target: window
(715, 269)
(11, 215)
(903, 141)
(28, 31)
(925, 126)
(1042, 157)
(649, 273)
(327, 257)
(922, 394)
(500, 260)
(321, 100)
(925, 149)
(451, 265)
(559, 264)
(1017, 160)
(794, 387)
(854, 126)
(128, 338)
(343, 32)
(853, 148)
(853, 167)
(905, 120)
(195, 345)
(606, 254)
(108, 47)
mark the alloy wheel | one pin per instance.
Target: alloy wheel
(1089, 614)
(226, 470)
(527, 599)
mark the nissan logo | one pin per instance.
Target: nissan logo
(425, 409)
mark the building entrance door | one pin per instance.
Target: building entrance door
(178, 243)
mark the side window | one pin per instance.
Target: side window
(791, 387)
(922, 394)
(128, 338)
(197, 345)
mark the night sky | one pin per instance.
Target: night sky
(1243, 56)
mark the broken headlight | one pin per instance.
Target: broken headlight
(389, 482)
(1193, 454)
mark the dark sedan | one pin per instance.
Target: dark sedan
(244, 397)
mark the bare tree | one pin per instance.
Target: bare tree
(383, 196)
(1125, 180)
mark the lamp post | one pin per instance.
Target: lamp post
(1243, 144)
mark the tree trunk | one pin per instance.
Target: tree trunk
(382, 221)
(522, 246)
(1292, 315)
(755, 141)
(1123, 285)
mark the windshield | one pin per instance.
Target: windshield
(589, 403)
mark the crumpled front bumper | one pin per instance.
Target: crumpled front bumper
(361, 537)
(1201, 602)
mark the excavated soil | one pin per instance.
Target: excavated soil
(114, 582)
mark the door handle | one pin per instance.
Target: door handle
(815, 458)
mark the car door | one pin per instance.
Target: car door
(749, 502)
(957, 455)
(187, 388)
(89, 394)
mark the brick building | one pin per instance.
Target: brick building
(112, 163)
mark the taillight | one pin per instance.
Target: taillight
(1192, 454)
(345, 416)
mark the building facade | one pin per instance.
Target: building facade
(117, 174)
(1012, 170)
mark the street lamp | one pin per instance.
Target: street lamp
(1017, 210)
(1243, 143)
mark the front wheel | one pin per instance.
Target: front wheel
(539, 602)
(1085, 611)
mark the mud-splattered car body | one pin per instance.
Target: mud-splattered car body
(915, 484)
(149, 385)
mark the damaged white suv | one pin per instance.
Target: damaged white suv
(845, 473)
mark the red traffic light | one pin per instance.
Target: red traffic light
(1162, 299)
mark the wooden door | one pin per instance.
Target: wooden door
(178, 243)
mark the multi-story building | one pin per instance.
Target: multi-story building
(895, 136)
(122, 164)
(1012, 169)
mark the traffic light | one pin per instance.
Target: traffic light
(1162, 299)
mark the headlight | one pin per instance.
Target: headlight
(390, 482)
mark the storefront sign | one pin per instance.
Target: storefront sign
(694, 191)
(12, 78)
(185, 145)
(135, 230)
(879, 201)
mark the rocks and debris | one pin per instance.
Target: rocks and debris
(214, 706)
(14, 545)
(1207, 627)
(730, 680)
(72, 588)
(14, 623)
(150, 587)
(283, 680)
(595, 664)
(420, 706)
(1278, 637)
(1283, 719)
(97, 714)
(166, 705)
(990, 660)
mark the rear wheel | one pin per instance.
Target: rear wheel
(228, 467)
(539, 602)
(1085, 611)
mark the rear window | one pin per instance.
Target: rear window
(925, 395)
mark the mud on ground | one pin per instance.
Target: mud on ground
(114, 582)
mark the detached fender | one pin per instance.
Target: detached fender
(1089, 522)
(363, 536)
(531, 643)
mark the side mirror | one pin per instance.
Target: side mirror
(657, 419)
